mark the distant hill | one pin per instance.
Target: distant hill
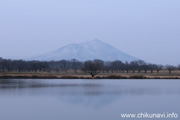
(90, 50)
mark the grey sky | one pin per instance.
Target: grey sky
(147, 29)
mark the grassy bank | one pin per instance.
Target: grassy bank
(82, 75)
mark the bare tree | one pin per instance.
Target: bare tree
(1, 66)
(134, 66)
(158, 68)
(178, 67)
(117, 66)
(93, 67)
(75, 64)
(127, 67)
(152, 67)
(20, 65)
(35, 66)
(140, 65)
(107, 66)
(145, 68)
(170, 68)
(64, 65)
(55, 65)
(4, 64)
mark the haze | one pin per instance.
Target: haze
(146, 29)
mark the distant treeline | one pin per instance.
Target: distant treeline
(92, 67)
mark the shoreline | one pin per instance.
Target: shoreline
(85, 77)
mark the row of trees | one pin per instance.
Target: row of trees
(91, 67)
(41, 66)
(94, 67)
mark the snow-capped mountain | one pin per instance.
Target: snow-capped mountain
(90, 50)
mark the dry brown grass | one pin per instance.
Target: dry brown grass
(163, 74)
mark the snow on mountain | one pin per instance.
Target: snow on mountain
(90, 50)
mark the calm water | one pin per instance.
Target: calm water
(86, 99)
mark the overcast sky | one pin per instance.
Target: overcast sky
(146, 29)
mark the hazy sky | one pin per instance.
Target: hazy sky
(146, 29)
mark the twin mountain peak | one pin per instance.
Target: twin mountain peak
(90, 50)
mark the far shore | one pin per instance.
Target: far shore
(17, 75)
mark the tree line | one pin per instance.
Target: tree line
(93, 67)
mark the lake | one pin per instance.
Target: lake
(47, 99)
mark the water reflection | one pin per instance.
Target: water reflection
(78, 91)
(85, 99)
(88, 87)
(39, 84)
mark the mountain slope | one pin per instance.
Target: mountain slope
(90, 50)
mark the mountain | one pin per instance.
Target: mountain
(89, 50)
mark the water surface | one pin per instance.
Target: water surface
(86, 99)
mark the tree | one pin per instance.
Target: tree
(152, 67)
(178, 67)
(93, 67)
(35, 66)
(4, 64)
(158, 68)
(55, 65)
(64, 65)
(140, 65)
(117, 65)
(75, 65)
(170, 68)
(19, 65)
(1, 64)
(8, 65)
(107, 66)
(127, 67)
(134, 66)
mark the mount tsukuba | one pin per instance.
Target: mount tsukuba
(89, 50)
